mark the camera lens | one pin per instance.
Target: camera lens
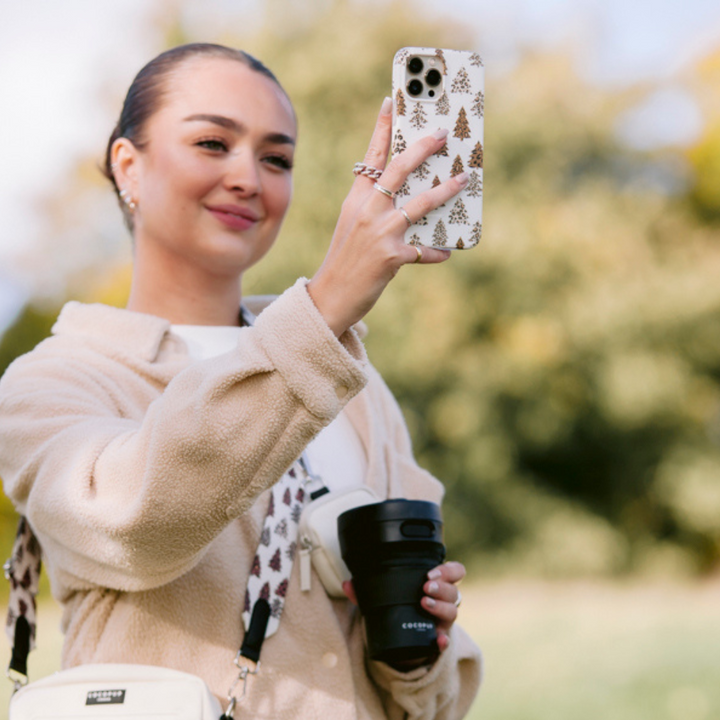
(433, 78)
(389, 547)
(415, 87)
(415, 65)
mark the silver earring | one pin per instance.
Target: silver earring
(127, 199)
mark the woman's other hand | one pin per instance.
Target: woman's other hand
(368, 246)
(442, 598)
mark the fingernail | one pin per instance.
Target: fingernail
(441, 133)
(386, 107)
(430, 602)
(434, 574)
(433, 587)
(463, 178)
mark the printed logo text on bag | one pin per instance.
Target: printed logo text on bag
(105, 697)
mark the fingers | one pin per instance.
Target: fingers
(423, 255)
(349, 590)
(450, 572)
(395, 175)
(421, 205)
(443, 640)
(404, 163)
(379, 148)
(445, 612)
(441, 597)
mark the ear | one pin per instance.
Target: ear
(125, 159)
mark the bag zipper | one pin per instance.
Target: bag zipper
(306, 548)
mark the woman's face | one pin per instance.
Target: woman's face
(213, 180)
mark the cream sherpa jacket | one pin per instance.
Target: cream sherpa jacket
(144, 477)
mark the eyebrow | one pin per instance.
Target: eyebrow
(230, 124)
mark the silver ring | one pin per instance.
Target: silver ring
(384, 190)
(459, 599)
(367, 170)
(407, 217)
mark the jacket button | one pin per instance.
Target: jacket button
(330, 660)
(341, 391)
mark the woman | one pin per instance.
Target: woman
(142, 443)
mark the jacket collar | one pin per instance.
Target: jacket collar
(139, 333)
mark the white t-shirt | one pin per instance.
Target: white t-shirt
(336, 454)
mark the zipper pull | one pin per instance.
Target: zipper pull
(305, 563)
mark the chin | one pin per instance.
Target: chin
(232, 260)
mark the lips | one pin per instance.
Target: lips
(234, 216)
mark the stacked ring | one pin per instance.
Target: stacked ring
(367, 170)
(384, 190)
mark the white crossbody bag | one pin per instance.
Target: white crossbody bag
(116, 692)
(111, 691)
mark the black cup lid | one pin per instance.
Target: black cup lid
(379, 518)
(397, 509)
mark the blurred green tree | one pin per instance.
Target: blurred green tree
(704, 155)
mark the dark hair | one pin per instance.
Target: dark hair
(146, 92)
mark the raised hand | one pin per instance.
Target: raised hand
(368, 246)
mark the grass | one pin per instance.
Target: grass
(562, 651)
(596, 651)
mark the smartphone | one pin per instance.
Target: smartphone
(439, 88)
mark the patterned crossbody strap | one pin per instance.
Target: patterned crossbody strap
(23, 572)
(272, 563)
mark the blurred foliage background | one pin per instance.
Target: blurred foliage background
(564, 378)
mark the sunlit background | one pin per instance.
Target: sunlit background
(570, 395)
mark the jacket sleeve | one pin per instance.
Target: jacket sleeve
(131, 503)
(445, 690)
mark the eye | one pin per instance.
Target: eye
(212, 144)
(280, 161)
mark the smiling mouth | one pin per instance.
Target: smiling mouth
(237, 219)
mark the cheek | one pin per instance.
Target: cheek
(176, 181)
(278, 196)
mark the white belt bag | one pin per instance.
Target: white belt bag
(318, 536)
(115, 692)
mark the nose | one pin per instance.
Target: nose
(243, 174)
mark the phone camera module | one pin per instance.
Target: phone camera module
(415, 87)
(415, 65)
(433, 78)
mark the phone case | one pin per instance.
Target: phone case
(458, 105)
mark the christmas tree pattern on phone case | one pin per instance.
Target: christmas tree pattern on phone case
(461, 109)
